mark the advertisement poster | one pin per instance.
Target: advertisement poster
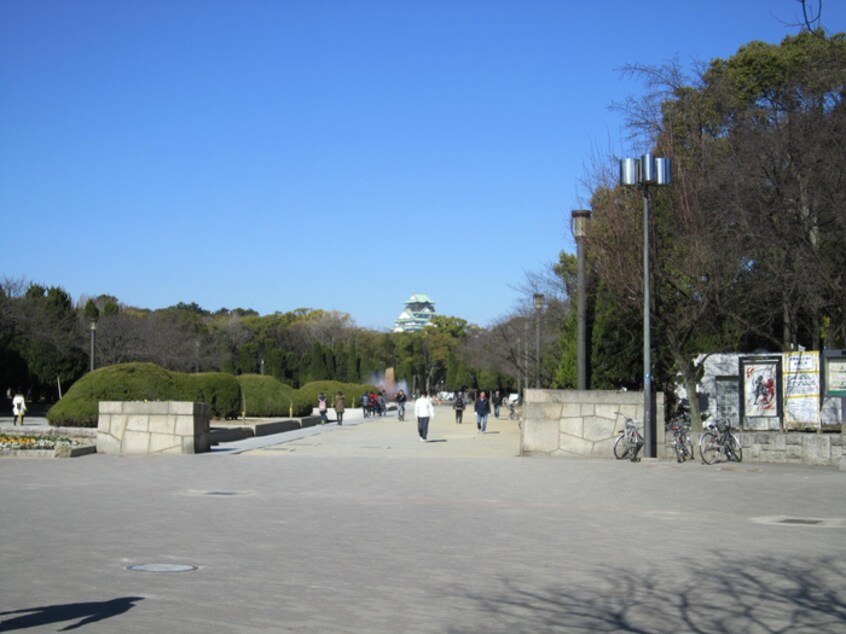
(835, 379)
(801, 389)
(761, 392)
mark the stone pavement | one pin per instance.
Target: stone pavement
(363, 528)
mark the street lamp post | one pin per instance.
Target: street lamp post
(93, 332)
(581, 220)
(643, 172)
(538, 299)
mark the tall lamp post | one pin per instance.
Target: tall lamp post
(643, 172)
(538, 299)
(93, 333)
(581, 220)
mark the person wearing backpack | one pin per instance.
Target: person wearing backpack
(458, 406)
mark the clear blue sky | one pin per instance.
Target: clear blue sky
(335, 154)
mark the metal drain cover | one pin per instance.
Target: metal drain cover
(162, 568)
(786, 520)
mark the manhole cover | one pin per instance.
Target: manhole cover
(162, 568)
(820, 522)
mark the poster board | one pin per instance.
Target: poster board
(801, 390)
(761, 393)
(835, 373)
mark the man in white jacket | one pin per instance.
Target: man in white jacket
(424, 411)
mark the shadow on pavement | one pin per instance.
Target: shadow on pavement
(724, 595)
(89, 612)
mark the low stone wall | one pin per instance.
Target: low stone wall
(792, 448)
(581, 423)
(159, 427)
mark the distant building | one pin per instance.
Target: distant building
(418, 312)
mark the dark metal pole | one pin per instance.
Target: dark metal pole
(648, 423)
(582, 334)
(93, 330)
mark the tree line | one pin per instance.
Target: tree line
(45, 344)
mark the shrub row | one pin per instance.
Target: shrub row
(144, 382)
(228, 396)
(267, 396)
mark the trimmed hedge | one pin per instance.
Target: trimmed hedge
(143, 382)
(220, 390)
(228, 396)
(267, 396)
(351, 391)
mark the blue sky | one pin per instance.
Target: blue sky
(335, 154)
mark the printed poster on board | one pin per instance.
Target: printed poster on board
(801, 389)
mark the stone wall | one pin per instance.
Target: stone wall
(792, 448)
(582, 423)
(158, 427)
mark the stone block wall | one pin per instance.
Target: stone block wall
(157, 427)
(582, 423)
(792, 448)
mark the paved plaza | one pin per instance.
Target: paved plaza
(363, 528)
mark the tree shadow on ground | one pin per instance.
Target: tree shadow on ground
(764, 595)
(89, 612)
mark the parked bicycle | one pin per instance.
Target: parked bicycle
(718, 440)
(513, 414)
(681, 443)
(630, 440)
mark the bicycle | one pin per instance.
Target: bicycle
(513, 414)
(682, 444)
(629, 442)
(718, 439)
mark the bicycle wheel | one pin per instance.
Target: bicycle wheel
(678, 446)
(688, 448)
(621, 449)
(733, 448)
(709, 447)
(635, 444)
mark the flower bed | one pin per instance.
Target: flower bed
(16, 442)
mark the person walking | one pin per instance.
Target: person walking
(401, 399)
(339, 406)
(424, 411)
(19, 408)
(458, 406)
(497, 402)
(322, 407)
(483, 409)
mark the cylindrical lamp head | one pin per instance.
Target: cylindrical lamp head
(629, 172)
(647, 169)
(538, 297)
(663, 170)
(581, 220)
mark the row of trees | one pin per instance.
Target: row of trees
(44, 344)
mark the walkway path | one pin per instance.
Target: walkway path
(362, 529)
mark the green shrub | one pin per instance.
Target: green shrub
(265, 395)
(220, 390)
(125, 382)
(351, 391)
(144, 382)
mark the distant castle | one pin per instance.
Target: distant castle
(418, 312)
